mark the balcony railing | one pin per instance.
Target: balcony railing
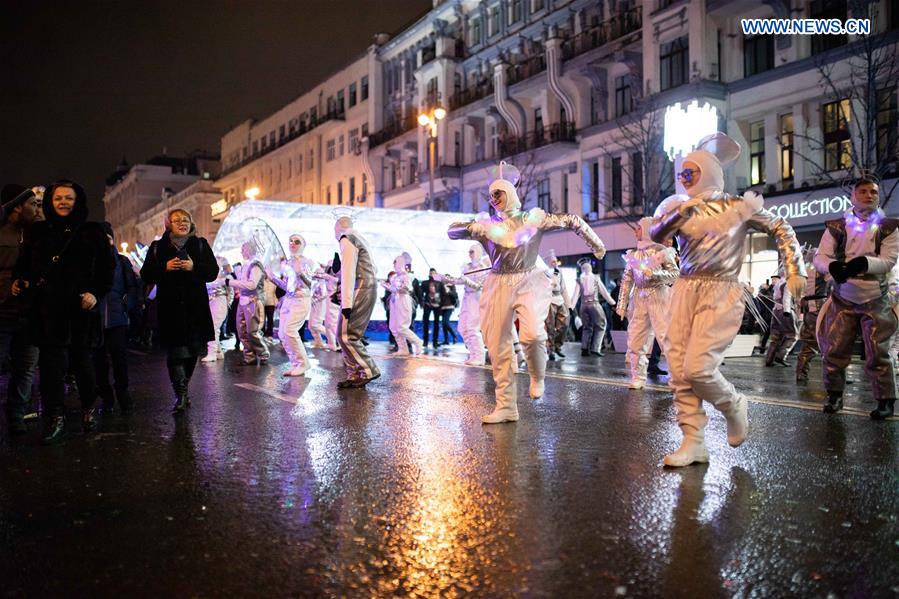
(560, 132)
(480, 90)
(395, 129)
(527, 68)
(607, 31)
(302, 129)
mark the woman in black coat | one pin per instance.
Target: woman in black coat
(65, 267)
(180, 264)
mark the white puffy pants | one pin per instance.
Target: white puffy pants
(504, 298)
(470, 326)
(648, 314)
(294, 312)
(332, 314)
(706, 314)
(218, 306)
(400, 319)
(317, 322)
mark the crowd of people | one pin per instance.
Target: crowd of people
(69, 302)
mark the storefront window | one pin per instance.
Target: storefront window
(786, 146)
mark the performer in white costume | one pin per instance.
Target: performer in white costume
(559, 304)
(470, 312)
(645, 298)
(707, 300)
(251, 308)
(320, 300)
(400, 286)
(589, 290)
(515, 287)
(296, 281)
(328, 310)
(220, 297)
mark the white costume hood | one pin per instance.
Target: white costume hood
(505, 177)
(712, 154)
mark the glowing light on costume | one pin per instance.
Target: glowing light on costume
(859, 226)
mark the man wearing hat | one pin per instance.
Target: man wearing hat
(591, 290)
(557, 319)
(21, 207)
(708, 300)
(516, 287)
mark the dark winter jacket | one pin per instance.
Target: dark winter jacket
(182, 303)
(124, 297)
(62, 258)
(12, 309)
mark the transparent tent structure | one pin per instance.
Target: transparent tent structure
(389, 232)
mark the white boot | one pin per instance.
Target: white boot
(220, 355)
(636, 384)
(298, 370)
(692, 450)
(475, 361)
(505, 411)
(210, 357)
(737, 421)
(536, 388)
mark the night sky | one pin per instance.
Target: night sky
(85, 83)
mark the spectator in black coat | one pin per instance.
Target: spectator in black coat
(431, 299)
(65, 267)
(180, 264)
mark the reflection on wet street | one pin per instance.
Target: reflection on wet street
(283, 487)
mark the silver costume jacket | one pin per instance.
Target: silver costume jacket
(650, 266)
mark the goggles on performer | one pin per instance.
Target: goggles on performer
(686, 175)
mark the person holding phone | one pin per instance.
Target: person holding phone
(180, 264)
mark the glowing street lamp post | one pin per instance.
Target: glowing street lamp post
(251, 193)
(430, 121)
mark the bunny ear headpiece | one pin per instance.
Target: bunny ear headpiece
(506, 172)
(722, 147)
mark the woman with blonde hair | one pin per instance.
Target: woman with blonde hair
(180, 264)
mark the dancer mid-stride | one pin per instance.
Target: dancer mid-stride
(515, 286)
(296, 281)
(400, 287)
(707, 300)
(358, 296)
(470, 313)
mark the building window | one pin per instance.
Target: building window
(537, 5)
(364, 188)
(887, 125)
(616, 183)
(674, 62)
(255, 148)
(474, 32)
(432, 96)
(623, 101)
(341, 107)
(786, 146)
(543, 197)
(595, 100)
(271, 138)
(494, 141)
(637, 177)
(263, 143)
(311, 158)
(313, 116)
(594, 187)
(352, 94)
(514, 11)
(364, 89)
(364, 129)
(328, 194)
(340, 146)
(340, 192)
(758, 54)
(828, 9)
(351, 199)
(457, 148)
(757, 153)
(493, 21)
(538, 125)
(330, 152)
(354, 140)
(281, 133)
(837, 154)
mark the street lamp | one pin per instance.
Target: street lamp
(251, 193)
(124, 247)
(430, 120)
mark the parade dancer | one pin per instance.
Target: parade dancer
(320, 300)
(470, 311)
(858, 251)
(515, 286)
(251, 307)
(358, 296)
(813, 298)
(783, 326)
(400, 288)
(645, 297)
(559, 304)
(707, 300)
(220, 297)
(589, 290)
(295, 304)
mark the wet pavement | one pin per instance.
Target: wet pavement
(275, 487)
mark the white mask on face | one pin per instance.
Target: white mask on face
(296, 249)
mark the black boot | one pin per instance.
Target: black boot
(585, 353)
(884, 409)
(181, 403)
(56, 430)
(88, 420)
(834, 403)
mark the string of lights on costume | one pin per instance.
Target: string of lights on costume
(515, 287)
(644, 299)
(708, 300)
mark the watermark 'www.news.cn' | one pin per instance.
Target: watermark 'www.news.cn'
(806, 26)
